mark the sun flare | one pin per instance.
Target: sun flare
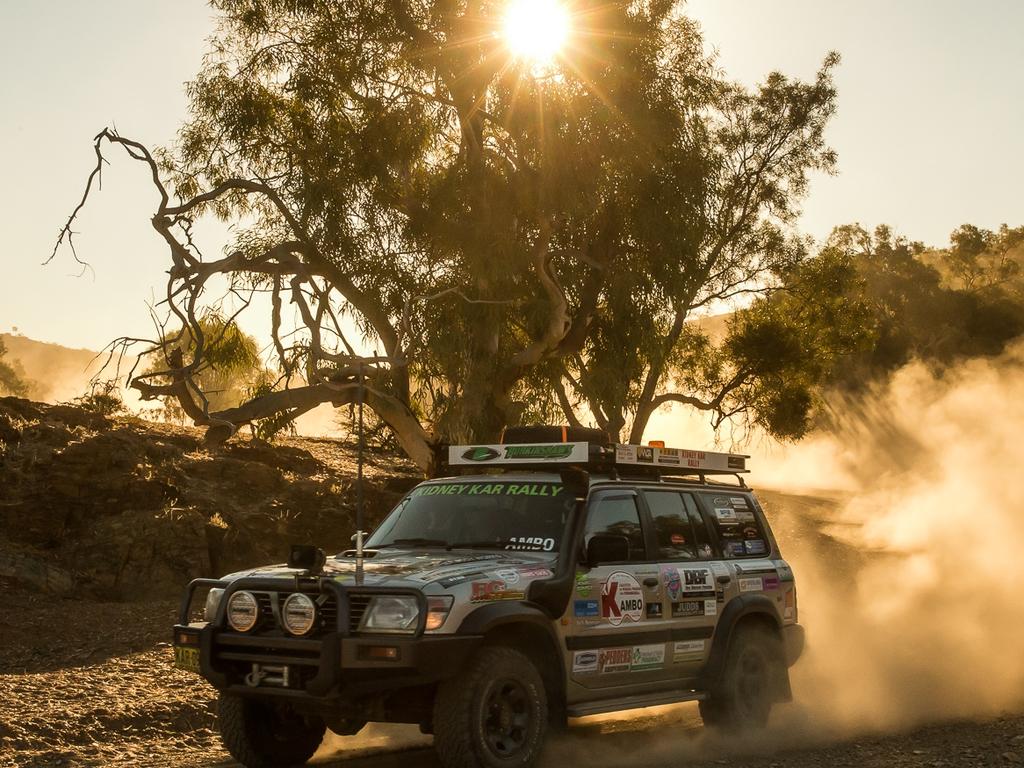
(535, 30)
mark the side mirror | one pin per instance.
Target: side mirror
(306, 557)
(607, 548)
(576, 481)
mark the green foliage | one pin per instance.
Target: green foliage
(272, 426)
(103, 398)
(230, 370)
(12, 377)
(936, 306)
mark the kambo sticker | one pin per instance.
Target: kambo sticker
(622, 599)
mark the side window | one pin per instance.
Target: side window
(737, 527)
(617, 515)
(673, 528)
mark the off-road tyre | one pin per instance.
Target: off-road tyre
(493, 715)
(259, 734)
(751, 681)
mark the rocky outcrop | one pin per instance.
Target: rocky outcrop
(128, 508)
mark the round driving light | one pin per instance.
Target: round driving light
(243, 611)
(298, 614)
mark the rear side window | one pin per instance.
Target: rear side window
(674, 516)
(739, 531)
(617, 515)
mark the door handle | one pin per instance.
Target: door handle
(651, 582)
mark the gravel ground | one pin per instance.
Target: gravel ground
(102, 692)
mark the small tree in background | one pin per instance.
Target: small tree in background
(12, 377)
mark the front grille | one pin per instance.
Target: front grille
(357, 605)
(266, 608)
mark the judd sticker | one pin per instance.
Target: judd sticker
(751, 584)
(622, 599)
(688, 609)
(687, 649)
(586, 608)
(673, 583)
(647, 657)
(584, 661)
(725, 515)
(495, 589)
(614, 659)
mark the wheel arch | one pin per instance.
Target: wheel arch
(740, 612)
(528, 629)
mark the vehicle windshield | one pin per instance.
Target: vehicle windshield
(488, 515)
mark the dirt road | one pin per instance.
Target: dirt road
(91, 684)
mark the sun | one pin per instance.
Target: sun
(535, 30)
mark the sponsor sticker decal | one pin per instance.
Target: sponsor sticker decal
(771, 582)
(586, 608)
(752, 584)
(711, 607)
(654, 610)
(755, 547)
(535, 572)
(582, 584)
(734, 548)
(725, 515)
(622, 599)
(737, 501)
(687, 649)
(481, 453)
(648, 657)
(673, 583)
(687, 609)
(697, 580)
(614, 659)
(584, 661)
(495, 589)
(508, 575)
(720, 569)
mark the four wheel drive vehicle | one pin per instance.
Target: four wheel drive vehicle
(560, 579)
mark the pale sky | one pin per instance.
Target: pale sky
(928, 130)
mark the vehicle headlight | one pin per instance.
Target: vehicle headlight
(212, 604)
(298, 614)
(243, 611)
(391, 614)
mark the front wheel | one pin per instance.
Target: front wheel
(492, 715)
(261, 734)
(749, 686)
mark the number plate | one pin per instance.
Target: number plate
(186, 658)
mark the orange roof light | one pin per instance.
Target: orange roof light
(656, 444)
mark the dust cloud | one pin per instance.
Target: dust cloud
(911, 585)
(911, 591)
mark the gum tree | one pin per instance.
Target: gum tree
(455, 226)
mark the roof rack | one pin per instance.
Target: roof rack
(639, 459)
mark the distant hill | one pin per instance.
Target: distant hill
(55, 373)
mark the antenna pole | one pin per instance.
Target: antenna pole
(359, 483)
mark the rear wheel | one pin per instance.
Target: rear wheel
(749, 686)
(494, 714)
(261, 734)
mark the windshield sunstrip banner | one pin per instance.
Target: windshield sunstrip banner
(525, 453)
